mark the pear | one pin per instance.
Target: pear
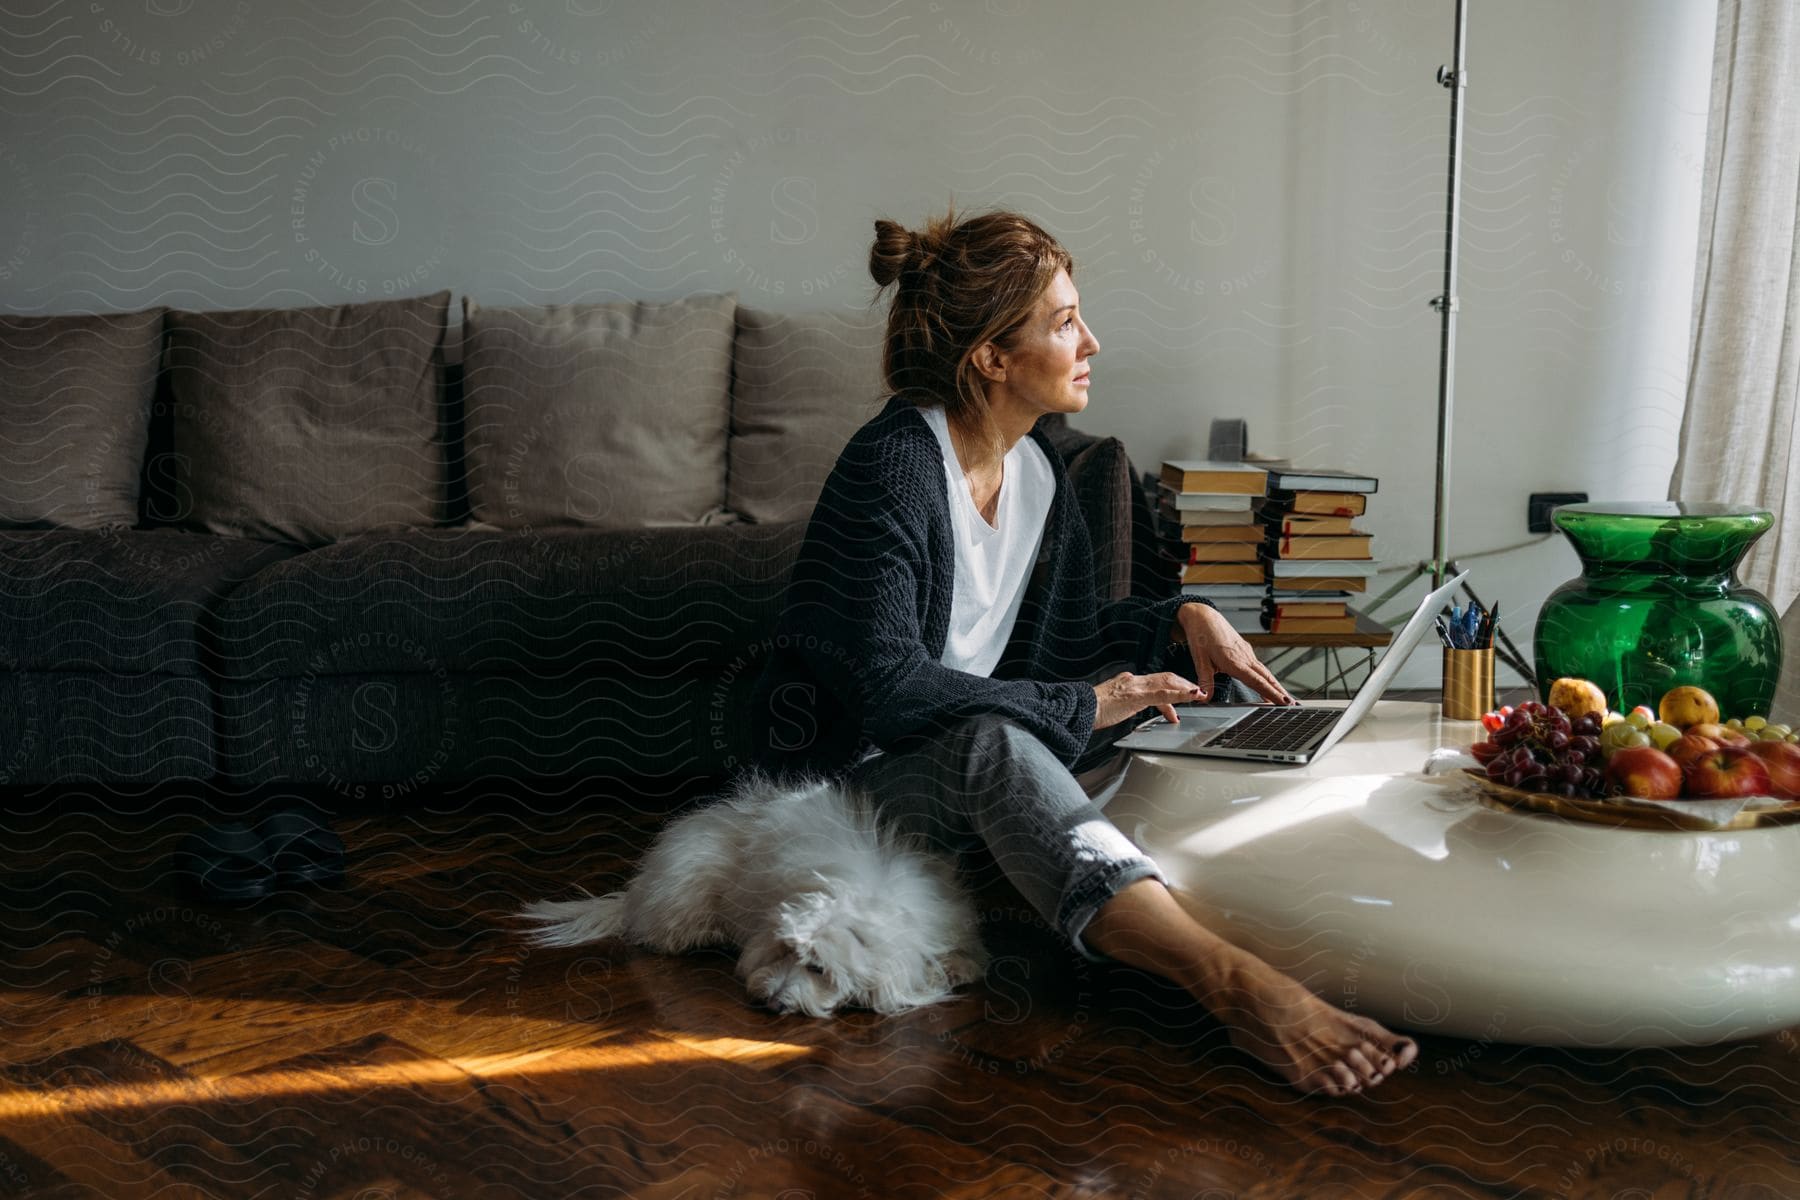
(1688, 705)
(1577, 698)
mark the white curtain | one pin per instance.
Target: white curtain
(1738, 440)
(1786, 707)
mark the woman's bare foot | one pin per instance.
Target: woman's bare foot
(1313, 1046)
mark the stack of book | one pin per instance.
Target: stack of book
(1318, 561)
(1207, 511)
(1275, 548)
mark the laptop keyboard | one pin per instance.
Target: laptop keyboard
(1285, 728)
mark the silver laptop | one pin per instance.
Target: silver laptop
(1288, 733)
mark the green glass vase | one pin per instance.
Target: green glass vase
(1658, 604)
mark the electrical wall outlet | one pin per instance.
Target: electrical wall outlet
(1539, 504)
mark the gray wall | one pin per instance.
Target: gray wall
(1253, 192)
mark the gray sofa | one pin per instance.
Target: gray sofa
(302, 547)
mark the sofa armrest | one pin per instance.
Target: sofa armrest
(1132, 558)
(1101, 475)
(1155, 563)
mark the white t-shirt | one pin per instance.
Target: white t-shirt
(993, 562)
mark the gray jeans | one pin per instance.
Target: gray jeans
(990, 782)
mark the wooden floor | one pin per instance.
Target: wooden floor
(392, 1039)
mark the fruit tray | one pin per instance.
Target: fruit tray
(1630, 813)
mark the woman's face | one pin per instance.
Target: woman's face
(1046, 367)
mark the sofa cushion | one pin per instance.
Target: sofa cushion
(603, 416)
(75, 396)
(309, 424)
(802, 384)
(130, 601)
(60, 726)
(555, 605)
(395, 735)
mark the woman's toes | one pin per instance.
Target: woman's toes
(1324, 1081)
(1385, 1063)
(1346, 1078)
(1362, 1065)
(1404, 1050)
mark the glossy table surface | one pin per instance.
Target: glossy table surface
(1407, 898)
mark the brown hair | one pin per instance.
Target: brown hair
(960, 284)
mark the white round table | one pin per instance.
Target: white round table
(1407, 899)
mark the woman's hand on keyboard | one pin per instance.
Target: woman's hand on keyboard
(1217, 647)
(1125, 694)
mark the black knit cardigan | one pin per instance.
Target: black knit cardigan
(854, 662)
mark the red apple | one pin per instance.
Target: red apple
(1689, 746)
(1643, 771)
(1782, 761)
(1725, 735)
(1726, 773)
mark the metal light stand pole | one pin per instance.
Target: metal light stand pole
(1456, 78)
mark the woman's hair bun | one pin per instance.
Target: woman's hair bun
(894, 247)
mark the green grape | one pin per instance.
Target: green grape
(1662, 734)
(1734, 723)
(1636, 737)
(1768, 733)
(1783, 730)
(1639, 718)
(1754, 723)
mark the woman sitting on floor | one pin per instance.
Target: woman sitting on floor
(942, 637)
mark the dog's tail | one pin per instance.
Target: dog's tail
(575, 922)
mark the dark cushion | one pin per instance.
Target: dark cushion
(309, 424)
(127, 600)
(801, 385)
(599, 416)
(556, 604)
(75, 395)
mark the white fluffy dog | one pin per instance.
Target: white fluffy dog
(828, 907)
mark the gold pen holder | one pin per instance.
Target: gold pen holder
(1468, 683)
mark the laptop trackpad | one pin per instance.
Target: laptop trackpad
(1200, 723)
(1197, 718)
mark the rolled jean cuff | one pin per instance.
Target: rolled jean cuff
(1093, 893)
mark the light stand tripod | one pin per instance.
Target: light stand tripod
(1504, 650)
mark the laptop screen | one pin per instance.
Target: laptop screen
(1393, 657)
